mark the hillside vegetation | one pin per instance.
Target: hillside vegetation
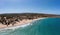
(12, 18)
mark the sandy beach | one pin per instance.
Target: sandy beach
(23, 22)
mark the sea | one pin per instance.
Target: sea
(47, 26)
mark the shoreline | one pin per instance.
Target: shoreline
(22, 23)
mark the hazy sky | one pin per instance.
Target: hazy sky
(29, 6)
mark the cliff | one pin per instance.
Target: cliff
(7, 19)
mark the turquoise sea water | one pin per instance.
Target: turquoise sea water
(48, 26)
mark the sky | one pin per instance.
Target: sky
(30, 6)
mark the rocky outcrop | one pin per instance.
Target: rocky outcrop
(8, 21)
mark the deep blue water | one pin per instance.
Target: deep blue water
(48, 26)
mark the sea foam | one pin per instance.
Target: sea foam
(16, 27)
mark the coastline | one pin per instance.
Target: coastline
(22, 23)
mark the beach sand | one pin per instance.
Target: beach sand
(23, 22)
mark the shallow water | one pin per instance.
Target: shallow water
(48, 26)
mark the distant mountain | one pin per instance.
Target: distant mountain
(30, 14)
